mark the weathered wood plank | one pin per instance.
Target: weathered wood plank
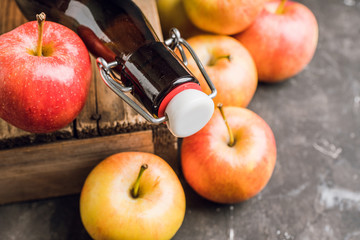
(166, 146)
(60, 168)
(86, 123)
(13, 137)
(11, 16)
(104, 112)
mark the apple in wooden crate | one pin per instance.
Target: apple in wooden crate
(282, 40)
(232, 158)
(132, 195)
(223, 17)
(229, 66)
(45, 74)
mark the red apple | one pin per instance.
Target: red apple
(42, 93)
(120, 201)
(229, 66)
(223, 17)
(282, 40)
(230, 165)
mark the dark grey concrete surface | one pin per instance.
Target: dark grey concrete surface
(314, 193)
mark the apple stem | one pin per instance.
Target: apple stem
(135, 189)
(40, 20)
(214, 60)
(231, 135)
(280, 8)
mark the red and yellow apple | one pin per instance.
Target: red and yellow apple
(230, 162)
(172, 14)
(120, 199)
(223, 16)
(282, 40)
(229, 66)
(45, 80)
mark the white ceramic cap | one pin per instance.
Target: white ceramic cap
(188, 112)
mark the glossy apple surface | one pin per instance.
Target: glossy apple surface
(223, 16)
(225, 174)
(109, 211)
(282, 44)
(229, 66)
(42, 93)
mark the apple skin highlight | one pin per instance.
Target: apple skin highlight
(225, 174)
(223, 17)
(229, 66)
(109, 211)
(42, 94)
(281, 44)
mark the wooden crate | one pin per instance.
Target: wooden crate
(34, 166)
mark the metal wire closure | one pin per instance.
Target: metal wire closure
(120, 90)
(175, 41)
(113, 82)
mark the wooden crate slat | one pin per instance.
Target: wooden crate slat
(87, 121)
(11, 17)
(104, 112)
(60, 168)
(37, 170)
(11, 136)
(115, 115)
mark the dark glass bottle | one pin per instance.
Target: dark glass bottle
(117, 31)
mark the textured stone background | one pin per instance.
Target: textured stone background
(314, 192)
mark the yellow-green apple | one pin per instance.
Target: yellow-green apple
(229, 66)
(282, 40)
(230, 161)
(172, 14)
(223, 16)
(45, 74)
(132, 195)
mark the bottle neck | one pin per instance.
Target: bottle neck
(155, 71)
(118, 26)
(122, 30)
(117, 30)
